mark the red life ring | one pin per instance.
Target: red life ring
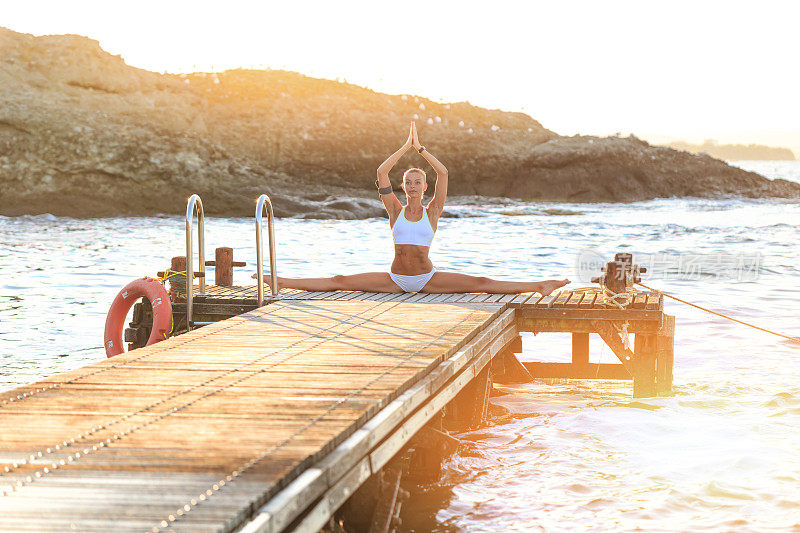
(130, 294)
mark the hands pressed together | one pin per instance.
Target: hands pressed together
(413, 138)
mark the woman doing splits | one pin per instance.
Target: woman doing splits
(413, 227)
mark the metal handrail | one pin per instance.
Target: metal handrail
(194, 203)
(262, 200)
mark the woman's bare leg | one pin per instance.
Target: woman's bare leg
(369, 282)
(454, 282)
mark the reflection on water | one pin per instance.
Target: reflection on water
(721, 454)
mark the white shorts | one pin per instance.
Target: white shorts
(412, 283)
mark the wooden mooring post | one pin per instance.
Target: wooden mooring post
(223, 264)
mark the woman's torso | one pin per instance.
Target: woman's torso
(412, 259)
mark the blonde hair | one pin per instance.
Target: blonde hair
(414, 169)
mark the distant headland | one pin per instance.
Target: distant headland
(736, 152)
(84, 134)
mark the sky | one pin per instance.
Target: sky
(660, 70)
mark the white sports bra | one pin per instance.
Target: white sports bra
(407, 232)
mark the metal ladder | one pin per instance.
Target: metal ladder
(263, 201)
(195, 204)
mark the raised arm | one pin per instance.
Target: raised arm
(390, 201)
(436, 204)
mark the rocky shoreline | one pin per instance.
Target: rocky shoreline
(83, 134)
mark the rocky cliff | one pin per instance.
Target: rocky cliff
(84, 134)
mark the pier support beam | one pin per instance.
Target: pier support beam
(375, 506)
(665, 354)
(653, 361)
(506, 368)
(644, 366)
(580, 349)
(470, 406)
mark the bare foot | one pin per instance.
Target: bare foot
(267, 279)
(552, 284)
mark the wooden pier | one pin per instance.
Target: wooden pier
(270, 418)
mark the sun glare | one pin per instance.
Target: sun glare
(683, 70)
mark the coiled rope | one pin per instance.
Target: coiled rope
(169, 273)
(621, 299)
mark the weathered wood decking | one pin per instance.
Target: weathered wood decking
(268, 417)
(197, 431)
(566, 299)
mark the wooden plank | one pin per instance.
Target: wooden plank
(387, 296)
(426, 298)
(384, 296)
(323, 295)
(654, 301)
(570, 371)
(520, 298)
(603, 301)
(611, 337)
(574, 300)
(532, 299)
(335, 497)
(587, 302)
(371, 296)
(561, 299)
(397, 296)
(639, 301)
(336, 295)
(307, 295)
(579, 325)
(590, 314)
(547, 301)
(354, 295)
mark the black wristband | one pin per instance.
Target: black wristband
(420, 149)
(385, 190)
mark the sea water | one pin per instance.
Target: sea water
(721, 454)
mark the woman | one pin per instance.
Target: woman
(413, 227)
